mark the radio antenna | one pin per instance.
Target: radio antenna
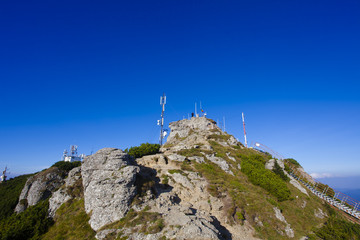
(162, 103)
(243, 119)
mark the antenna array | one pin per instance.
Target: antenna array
(243, 119)
(161, 121)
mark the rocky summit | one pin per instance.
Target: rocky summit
(202, 184)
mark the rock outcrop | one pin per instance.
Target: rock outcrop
(288, 230)
(109, 185)
(187, 134)
(66, 192)
(39, 187)
(196, 187)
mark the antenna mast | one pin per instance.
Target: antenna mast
(3, 176)
(162, 103)
(224, 124)
(243, 119)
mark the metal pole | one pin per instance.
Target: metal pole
(162, 103)
(224, 124)
(244, 129)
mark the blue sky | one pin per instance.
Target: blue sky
(91, 73)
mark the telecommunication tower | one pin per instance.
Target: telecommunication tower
(161, 121)
(243, 119)
(224, 130)
(3, 176)
(73, 156)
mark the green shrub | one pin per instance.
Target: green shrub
(278, 170)
(292, 161)
(30, 224)
(253, 166)
(338, 229)
(71, 223)
(165, 180)
(10, 192)
(67, 166)
(143, 150)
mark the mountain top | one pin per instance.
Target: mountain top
(203, 184)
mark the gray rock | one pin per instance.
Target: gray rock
(176, 157)
(270, 164)
(298, 185)
(288, 230)
(109, 185)
(279, 215)
(197, 159)
(319, 213)
(304, 204)
(230, 157)
(183, 180)
(39, 187)
(61, 196)
(220, 162)
(232, 141)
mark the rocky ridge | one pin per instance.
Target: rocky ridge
(39, 187)
(167, 196)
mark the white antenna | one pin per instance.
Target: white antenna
(162, 103)
(195, 110)
(65, 154)
(224, 124)
(4, 176)
(243, 119)
(73, 150)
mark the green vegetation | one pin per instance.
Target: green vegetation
(292, 161)
(278, 170)
(10, 192)
(71, 223)
(337, 229)
(165, 179)
(254, 167)
(217, 137)
(143, 221)
(66, 166)
(30, 224)
(172, 171)
(143, 150)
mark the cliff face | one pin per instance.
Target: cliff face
(108, 179)
(39, 187)
(203, 185)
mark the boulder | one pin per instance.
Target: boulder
(63, 194)
(108, 178)
(39, 187)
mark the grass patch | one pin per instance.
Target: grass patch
(191, 152)
(10, 192)
(71, 222)
(218, 137)
(254, 168)
(30, 224)
(143, 221)
(165, 179)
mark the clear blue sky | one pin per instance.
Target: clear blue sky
(91, 73)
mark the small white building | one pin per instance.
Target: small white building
(73, 156)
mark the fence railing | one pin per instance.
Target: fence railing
(325, 192)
